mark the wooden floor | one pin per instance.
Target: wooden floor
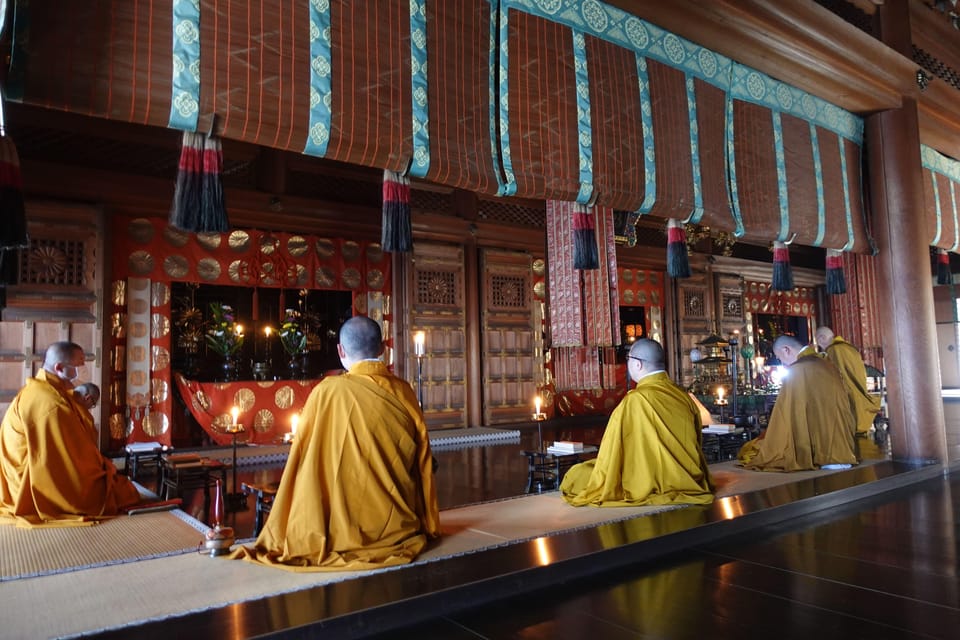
(885, 567)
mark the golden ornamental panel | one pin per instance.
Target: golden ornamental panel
(117, 427)
(266, 273)
(540, 290)
(375, 279)
(161, 358)
(239, 272)
(326, 248)
(239, 241)
(208, 269)
(245, 399)
(159, 325)
(159, 390)
(138, 330)
(140, 263)
(119, 358)
(176, 266)
(284, 397)
(140, 230)
(263, 421)
(268, 244)
(539, 267)
(115, 392)
(326, 277)
(209, 241)
(155, 424)
(351, 278)
(118, 325)
(374, 253)
(222, 422)
(201, 401)
(351, 251)
(159, 294)
(176, 237)
(297, 246)
(118, 292)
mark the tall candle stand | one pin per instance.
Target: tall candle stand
(236, 500)
(419, 346)
(539, 417)
(722, 403)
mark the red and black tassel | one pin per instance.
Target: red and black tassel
(782, 273)
(944, 275)
(198, 202)
(397, 234)
(585, 255)
(678, 258)
(836, 282)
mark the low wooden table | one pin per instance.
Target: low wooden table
(177, 477)
(264, 493)
(546, 468)
(137, 459)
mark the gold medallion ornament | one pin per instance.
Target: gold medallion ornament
(176, 267)
(239, 241)
(268, 244)
(138, 330)
(161, 358)
(176, 237)
(326, 249)
(245, 399)
(351, 251)
(628, 296)
(540, 290)
(263, 421)
(208, 269)
(138, 306)
(221, 422)
(297, 246)
(209, 241)
(117, 427)
(159, 390)
(239, 272)
(155, 424)
(298, 275)
(641, 277)
(140, 263)
(375, 278)
(201, 401)
(326, 277)
(137, 378)
(539, 267)
(642, 298)
(159, 325)
(374, 253)
(627, 276)
(360, 304)
(118, 325)
(118, 292)
(159, 294)
(284, 397)
(351, 278)
(119, 359)
(140, 230)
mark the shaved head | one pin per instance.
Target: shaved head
(786, 348)
(824, 337)
(361, 338)
(648, 351)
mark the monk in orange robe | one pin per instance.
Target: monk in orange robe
(812, 425)
(848, 361)
(651, 452)
(357, 491)
(51, 471)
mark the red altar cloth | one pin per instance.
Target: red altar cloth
(265, 407)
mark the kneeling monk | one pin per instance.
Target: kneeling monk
(651, 449)
(812, 424)
(51, 470)
(357, 491)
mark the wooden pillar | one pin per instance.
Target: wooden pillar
(904, 283)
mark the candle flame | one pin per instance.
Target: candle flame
(235, 412)
(294, 421)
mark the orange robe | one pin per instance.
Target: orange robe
(357, 491)
(847, 359)
(650, 454)
(812, 423)
(51, 471)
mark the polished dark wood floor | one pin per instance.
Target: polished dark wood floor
(885, 567)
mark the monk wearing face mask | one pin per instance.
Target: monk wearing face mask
(51, 471)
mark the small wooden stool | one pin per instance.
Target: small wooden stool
(177, 477)
(141, 456)
(264, 493)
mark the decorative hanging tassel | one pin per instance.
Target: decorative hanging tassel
(678, 259)
(782, 273)
(584, 239)
(397, 234)
(836, 283)
(944, 276)
(198, 202)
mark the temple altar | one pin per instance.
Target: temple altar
(265, 407)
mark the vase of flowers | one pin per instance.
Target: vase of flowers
(224, 337)
(293, 338)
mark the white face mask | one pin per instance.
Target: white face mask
(77, 370)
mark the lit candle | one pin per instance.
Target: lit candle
(536, 403)
(235, 412)
(294, 420)
(239, 329)
(419, 342)
(719, 394)
(266, 331)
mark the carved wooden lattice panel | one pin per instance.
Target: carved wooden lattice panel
(438, 311)
(509, 343)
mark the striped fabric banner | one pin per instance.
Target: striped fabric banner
(940, 199)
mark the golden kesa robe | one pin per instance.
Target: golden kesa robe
(51, 471)
(812, 423)
(650, 453)
(357, 491)
(847, 359)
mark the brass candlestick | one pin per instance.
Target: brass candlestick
(540, 417)
(236, 500)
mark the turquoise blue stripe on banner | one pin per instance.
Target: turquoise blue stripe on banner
(318, 129)
(956, 220)
(509, 186)
(846, 196)
(185, 89)
(697, 212)
(784, 198)
(418, 72)
(492, 88)
(731, 165)
(936, 199)
(649, 144)
(818, 176)
(584, 129)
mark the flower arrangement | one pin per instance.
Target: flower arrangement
(224, 336)
(292, 336)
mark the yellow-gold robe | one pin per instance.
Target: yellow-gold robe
(357, 491)
(51, 471)
(651, 453)
(812, 423)
(847, 359)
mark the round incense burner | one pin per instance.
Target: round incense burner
(218, 540)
